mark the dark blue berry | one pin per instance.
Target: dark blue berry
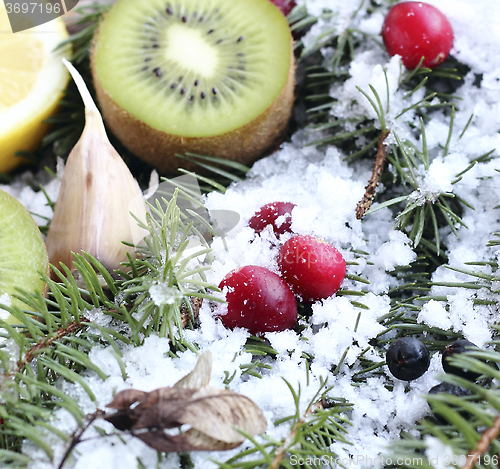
(408, 358)
(459, 346)
(453, 390)
(450, 389)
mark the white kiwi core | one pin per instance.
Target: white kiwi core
(187, 48)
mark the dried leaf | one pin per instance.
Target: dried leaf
(188, 416)
(145, 413)
(200, 376)
(123, 419)
(217, 412)
(124, 399)
(190, 440)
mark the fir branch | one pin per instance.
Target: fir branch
(163, 264)
(426, 210)
(82, 28)
(59, 334)
(365, 203)
(311, 433)
(218, 172)
(291, 438)
(487, 437)
(63, 331)
(459, 421)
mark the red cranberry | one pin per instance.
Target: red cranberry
(415, 30)
(276, 214)
(313, 268)
(258, 300)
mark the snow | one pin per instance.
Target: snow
(326, 191)
(162, 294)
(5, 299)
(440, 455)
(434, 314)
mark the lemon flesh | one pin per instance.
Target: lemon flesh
(23, 256)
(32, 78)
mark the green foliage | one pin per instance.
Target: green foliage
(218, 172)
(162, 263)
(68, 123)
(84, 27)
(310, 432)
(55, 334)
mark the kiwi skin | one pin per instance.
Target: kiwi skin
(243, 145)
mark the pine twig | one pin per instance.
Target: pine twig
(60, 333)
(365, 203)
(196, 303)
(482, 445)
(280, 453)
(77, 436)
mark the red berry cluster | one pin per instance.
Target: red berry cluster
(262, 301)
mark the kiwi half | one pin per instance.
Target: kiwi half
(213, 77)
(23, 256)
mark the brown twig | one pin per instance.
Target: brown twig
(365, 203)
(280, 453)
(47, 342)
(186, 315)
(482, 445)
(77, 435)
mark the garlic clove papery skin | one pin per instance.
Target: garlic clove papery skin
(97, 196)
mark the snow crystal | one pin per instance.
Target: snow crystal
(162, 294)
(396, 251)
(35, 201)
(439, 177)
(434, 314)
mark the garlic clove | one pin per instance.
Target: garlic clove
(97, 195)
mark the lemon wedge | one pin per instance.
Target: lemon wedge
(32, 78)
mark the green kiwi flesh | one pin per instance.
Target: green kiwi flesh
(193, 75)
(22, 251)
